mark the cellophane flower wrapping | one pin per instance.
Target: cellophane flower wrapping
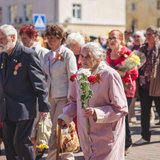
(131, 62)
(142, 57)
(43, 144)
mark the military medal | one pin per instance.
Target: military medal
(17, 67)
(15, 72)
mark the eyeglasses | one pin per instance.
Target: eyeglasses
(113, 38)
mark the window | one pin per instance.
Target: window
(133, 5)
(158, 22)
(77, 11)
(158, 4)
(28, 13)
(12, 14)
(0, 14)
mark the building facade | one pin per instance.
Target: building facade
(142, 13)
(88, 16)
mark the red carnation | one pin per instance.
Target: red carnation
(73, 77)
(92, 79)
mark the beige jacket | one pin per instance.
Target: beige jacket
(58, 72)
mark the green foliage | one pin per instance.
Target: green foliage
(86, 92)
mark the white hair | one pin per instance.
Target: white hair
(77, 37)
(9, 30)
(141, 34)
(97, 50)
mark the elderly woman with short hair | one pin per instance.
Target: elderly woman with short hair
(106, 111)
(28, 34)
(116, 56)
(75, 41)
(139, 40)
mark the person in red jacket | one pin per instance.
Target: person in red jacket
(116, 56)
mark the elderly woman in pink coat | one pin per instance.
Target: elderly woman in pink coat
(106, 109)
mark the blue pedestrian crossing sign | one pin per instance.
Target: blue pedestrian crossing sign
(39, 21)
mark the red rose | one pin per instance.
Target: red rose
(73, 77)
(91, 79)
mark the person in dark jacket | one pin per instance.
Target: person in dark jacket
(149, 82)
(22, 83)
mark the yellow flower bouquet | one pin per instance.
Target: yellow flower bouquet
(142, 57)
(131, 62)
(42, 146)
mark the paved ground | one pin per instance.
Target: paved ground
(144, 152)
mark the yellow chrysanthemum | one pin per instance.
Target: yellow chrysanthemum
(135, 59)
(42, 146)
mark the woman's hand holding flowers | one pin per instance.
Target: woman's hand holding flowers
(90, 112)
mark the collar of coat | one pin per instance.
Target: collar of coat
(100, 68)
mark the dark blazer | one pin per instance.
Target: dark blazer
(20, 91)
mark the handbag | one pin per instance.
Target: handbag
(69, 141)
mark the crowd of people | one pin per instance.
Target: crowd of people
(36, 90)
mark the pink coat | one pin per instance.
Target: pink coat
(107, 134)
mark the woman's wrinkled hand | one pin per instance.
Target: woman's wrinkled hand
(61, 123)
(90, 112)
